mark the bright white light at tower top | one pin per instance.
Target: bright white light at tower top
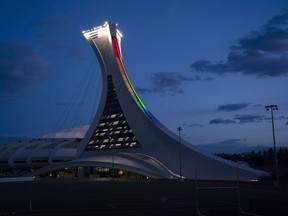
(94, 28)
(98, 27)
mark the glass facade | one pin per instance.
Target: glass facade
(113, 130)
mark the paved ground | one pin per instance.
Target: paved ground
(143, 198)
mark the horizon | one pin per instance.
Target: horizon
(229, 148)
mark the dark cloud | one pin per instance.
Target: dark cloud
(262, 53)
(278, 20)
(280, 118)
(231, 148)
(232, 141)
(185, 136)
(275, 118)
(258, 105)
(232, 107)
(286, 123)
(222, 121)
(20, 66)
(241, 119)
(249, 118)
(51, 31)
(231, 145)
(144, 90)
(168, 82)
(193, 125)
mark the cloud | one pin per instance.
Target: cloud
(231, 141)
(232, 107)
(20, 66)
(231, 148)
(262, 53)
(258, 105)
(249, 118)
(222, 121)
(144, 90)
(275, 118)
(193, 125)
(52, 29)
(78, 132)
(241, 119)
(168, 82)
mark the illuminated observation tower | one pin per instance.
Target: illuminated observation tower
(125, 135)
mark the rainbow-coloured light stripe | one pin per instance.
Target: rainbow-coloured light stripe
(130, 86)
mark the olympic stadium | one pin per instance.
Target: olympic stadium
(124, 140)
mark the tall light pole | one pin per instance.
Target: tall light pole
(113, 137)
(180, 152)
(272, 108)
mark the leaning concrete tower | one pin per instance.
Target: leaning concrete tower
(125, 130)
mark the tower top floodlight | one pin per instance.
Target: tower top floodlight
(272, 107)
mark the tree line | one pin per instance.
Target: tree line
(262, 159)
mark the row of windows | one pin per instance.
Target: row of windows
(113, 130)
(112, 116)
(109, 123)
(112, 133)
(111, 140)
(113, 146)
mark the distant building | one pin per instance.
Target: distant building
(124, 139)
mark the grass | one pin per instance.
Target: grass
(142, 197)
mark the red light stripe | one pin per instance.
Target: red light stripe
(116, 47)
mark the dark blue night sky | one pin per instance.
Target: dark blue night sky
(209, 66)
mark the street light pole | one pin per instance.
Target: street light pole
(180, 152)
(272, 108)
(113, 137)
